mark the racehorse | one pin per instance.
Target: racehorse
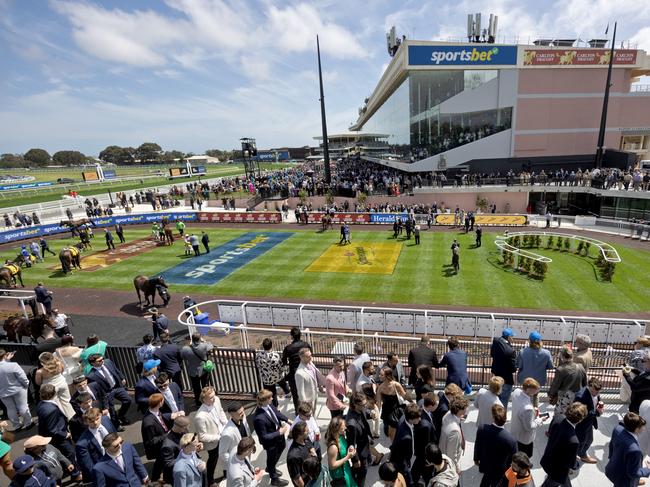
(85, 239)
(70, 258)
(17, 327)
(169, 236)
(10, 272)
(75, 225)
(148, 288)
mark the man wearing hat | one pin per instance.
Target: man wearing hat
(89, 447)
(146, 386)
(44, 297)
(30, 475)
(534, 361)
(504, 363)
(46, 455)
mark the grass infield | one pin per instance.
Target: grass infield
(311, 265)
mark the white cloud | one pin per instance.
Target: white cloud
(294, 28)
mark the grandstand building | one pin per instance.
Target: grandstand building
(487, 106)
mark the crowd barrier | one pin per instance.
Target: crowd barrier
(235, 374)
(404, 321)
(241, 217)
(54, 228)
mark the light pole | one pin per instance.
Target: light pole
(603, 117)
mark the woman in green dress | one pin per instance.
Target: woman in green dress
(339, 454)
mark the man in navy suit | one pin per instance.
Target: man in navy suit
(146, 385)
(53, 423)
(120, 466)
(560, 454)
(154, 429)
(89, 447)
(271, 427)
(402, 450)
(494, 448)
(170, 358)
(112, 382)
(625, 466)
(590, 397)
(456, 362)
(425, 433)
(171, 392)
(82, 385)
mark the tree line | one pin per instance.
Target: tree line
(147, 153)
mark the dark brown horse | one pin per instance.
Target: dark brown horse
(77, 223)
(18, 326)
(148, 288)
(70, 258)
(9, 273)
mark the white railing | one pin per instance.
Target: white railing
(388, 321)
(609, 253)
(20, 295)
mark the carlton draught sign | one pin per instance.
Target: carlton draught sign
(469, 55)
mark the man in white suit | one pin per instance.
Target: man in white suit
(308, 379)
(452, 440)
(210, 421)
(236, 429)
(240, 471)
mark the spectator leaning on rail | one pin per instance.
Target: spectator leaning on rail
(355, 368)
(504, 363)
(533, 361)
(456, 362)
(582, 353)
(269, 363)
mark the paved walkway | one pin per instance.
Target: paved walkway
(587, 476)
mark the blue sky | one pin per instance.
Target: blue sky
(199, 74)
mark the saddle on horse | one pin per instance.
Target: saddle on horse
(13, 269)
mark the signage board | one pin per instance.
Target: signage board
(54, 228)
(90, 176)
(110, 174)
(178, 171)
(486, 219)
(354, 218)
(240, 217)
(25, 185)
(196, 170)
(577, 57)
(463, 55)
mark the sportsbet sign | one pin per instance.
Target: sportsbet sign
(469, 55)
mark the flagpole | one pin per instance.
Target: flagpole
(326, 149)
(603, 116)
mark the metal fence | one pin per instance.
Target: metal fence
(409, 322)
(235, 374)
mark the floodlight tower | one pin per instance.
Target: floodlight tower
(249, 154)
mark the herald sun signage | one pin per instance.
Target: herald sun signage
(468, 55)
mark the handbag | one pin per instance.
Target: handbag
(206, 366)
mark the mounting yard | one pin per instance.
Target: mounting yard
(306, 264)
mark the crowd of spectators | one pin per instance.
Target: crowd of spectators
(82, 406)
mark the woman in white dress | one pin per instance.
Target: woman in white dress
(51, 372)
(70, 355)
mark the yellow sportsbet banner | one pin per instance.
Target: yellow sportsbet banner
(485, 220)
(358, 258)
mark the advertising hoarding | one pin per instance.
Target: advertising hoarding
(241, 217)
(577, 57)
(466, 55)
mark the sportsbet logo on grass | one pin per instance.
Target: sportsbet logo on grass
(210, 268)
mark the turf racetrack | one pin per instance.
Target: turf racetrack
(309, 265)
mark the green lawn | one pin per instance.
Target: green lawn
(53, 193)
(421, 275)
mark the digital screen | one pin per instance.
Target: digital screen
(90, 176)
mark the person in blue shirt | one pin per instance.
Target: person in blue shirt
(534, 360)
